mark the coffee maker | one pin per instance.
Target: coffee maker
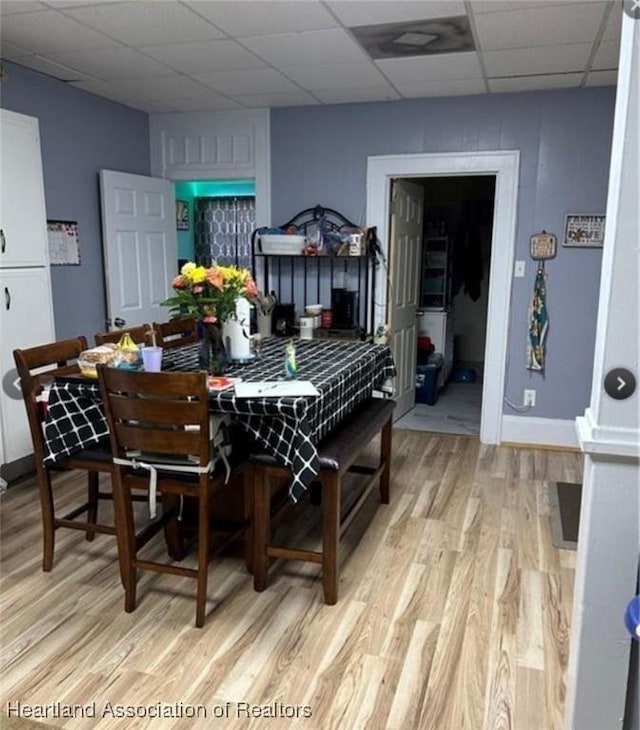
(344, 304)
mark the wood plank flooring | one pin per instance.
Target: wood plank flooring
(453, 614)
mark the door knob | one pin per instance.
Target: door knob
(119, 322)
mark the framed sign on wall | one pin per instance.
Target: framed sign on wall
(182, 215)
(583, 230)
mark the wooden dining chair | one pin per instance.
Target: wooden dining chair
(176, 332)
(138, 334)
(160, 440)
(38, 366)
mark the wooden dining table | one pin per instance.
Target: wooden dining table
(345, 374)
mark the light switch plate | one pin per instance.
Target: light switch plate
(519, 269)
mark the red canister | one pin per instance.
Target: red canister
(327, 318)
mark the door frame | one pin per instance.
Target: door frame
(505, 166)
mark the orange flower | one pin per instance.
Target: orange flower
(251, 289)
(215, 277)
(178, 282)
(198, 289)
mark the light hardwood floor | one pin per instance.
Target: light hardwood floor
(453, 614)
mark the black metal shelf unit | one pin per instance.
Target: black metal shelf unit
(313, 277)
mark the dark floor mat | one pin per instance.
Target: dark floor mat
(564, 505)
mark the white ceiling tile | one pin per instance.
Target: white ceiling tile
(334, 75)
(51, 68)
(602, 78)
(9, 7)
(552, 59)
(455, 87)
(532, 83)
(356, 94)
(613, 28)
(250, 18)
(112, 63)
(493, 6)
(109, 90)
(257, 101)
(255, 81)
(442, 67)
(14, 53)
(607, 55)
(546, 26)
(48, 31)
(173, 86)
(375, 12)
(298, 49)
(203, 56)
(146, 23)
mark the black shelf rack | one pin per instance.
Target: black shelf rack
(285, 269)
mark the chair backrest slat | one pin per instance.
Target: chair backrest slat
(138, 335)
(176, 332)
(38, 366)
(149, 412)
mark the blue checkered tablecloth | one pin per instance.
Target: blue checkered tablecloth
(345, 374)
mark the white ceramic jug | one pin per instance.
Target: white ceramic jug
(235, 332)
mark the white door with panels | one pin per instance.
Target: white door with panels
(404, 277)
(140, 246)
(26, 309)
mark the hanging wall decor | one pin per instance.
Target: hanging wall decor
(64, 247)
(182, 215)
(543, 246)
(584, 230)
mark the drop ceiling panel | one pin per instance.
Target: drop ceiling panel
(607, 55)
(165, 87)
(256, 81)
(203, 56)
(51, 68)
(493, 6)
(249, 18)
(146, 23)
(442, 67)
(335, 75)
(48, 31)
(614, 23)
(531, 61)
(9, 7)
(602, 78)
(358, 94)
(112, 63)
(294, 98)
(531, 83)
(298, 49)
(546, 26)
(372, 12)
(454, 87)
(14, 53)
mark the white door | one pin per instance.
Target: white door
(140, 246)
(23, 234)
(26, 320)
(404, 273)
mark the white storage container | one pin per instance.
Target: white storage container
(281, 244)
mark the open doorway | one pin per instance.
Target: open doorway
(455, 264)
(221, 216)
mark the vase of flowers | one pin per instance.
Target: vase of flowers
(210, 294)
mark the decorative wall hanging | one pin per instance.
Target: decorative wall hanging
(64, 247)
(182, 215)
(543, 246)
(583, 230)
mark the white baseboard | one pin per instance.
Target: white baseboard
(539, 431)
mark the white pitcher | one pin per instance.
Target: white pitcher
(235, 331)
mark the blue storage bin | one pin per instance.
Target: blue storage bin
(427, 379)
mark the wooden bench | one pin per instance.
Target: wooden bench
(337, 456)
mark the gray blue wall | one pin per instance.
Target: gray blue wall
(80, 134)
(319, 155)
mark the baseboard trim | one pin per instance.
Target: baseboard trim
(549, 432)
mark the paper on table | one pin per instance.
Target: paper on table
(275, 389)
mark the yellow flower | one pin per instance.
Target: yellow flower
(187, 269)
(198, 275)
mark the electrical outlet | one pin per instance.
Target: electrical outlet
(529, 398)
